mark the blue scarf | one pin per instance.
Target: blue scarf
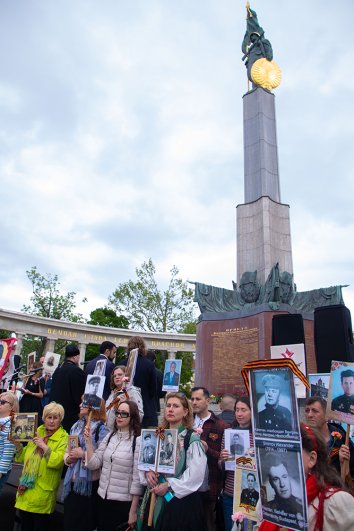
(79, 478)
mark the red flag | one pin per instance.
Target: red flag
(6, 346)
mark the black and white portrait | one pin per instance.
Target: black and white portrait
(147, 454)
(167, 452)
(94, 391)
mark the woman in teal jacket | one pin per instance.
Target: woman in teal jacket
(43, 460)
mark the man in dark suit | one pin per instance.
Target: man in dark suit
(68, 385)
(107, 353)
(172, 377)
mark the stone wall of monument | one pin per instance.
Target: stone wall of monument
(224, 345)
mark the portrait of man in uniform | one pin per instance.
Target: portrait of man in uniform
(282, 484)
(274, 416)
(93, 391)
(149, 450)
(236, 445)
(345, 402)
(249, 496)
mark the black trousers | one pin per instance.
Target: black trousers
(112, 513)
(35, 521)
(81, 512)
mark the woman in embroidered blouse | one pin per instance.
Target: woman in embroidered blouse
(43, 460)
(242, 421)
(119, 487)
(184, 511)
(8, 406)
(80, 483)
(118, 391)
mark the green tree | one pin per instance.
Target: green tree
(149, 308)
(47, 301)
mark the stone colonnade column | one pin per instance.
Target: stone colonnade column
(171, 355)
(49, 345)
(82, 347)
(18, 347)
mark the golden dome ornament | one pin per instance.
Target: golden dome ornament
(266, 74)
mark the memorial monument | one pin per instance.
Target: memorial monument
(235, 324)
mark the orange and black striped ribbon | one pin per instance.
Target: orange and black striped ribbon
(273, 364)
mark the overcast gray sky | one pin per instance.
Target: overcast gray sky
(121, 139)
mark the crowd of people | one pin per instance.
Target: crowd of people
(96, 455)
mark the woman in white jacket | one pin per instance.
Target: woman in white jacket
(120, 394)
(119, 488)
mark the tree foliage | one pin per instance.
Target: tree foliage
(149, 308)
(47, 301)
(108, 317)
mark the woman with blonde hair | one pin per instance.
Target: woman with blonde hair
(8, 406)
(43, 460)
(119, 394)
(80, 483)
(184, 510)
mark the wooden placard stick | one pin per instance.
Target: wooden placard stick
(344, 468)
(159, 433)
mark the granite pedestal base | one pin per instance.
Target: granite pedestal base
(226, 341)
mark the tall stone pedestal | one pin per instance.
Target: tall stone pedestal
(263, 238)
(226, 341)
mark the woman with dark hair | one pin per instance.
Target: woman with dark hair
(145, 378)
(80, 483)
(242, 421)
(119, 487)
(330, 507)
(31, 401)
(120, 394)
(184, 511)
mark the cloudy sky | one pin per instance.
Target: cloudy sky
(121, 139)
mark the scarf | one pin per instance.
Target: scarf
(313, 491)
(31, 468)
(79, 478)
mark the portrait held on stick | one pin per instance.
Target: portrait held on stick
(94, 391)
(274, 403)
(172, 375)
(340, 405)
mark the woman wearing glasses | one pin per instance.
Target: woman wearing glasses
(119, 487)
(81, 484)
(120, 394)
(8, 406)
(184, 509)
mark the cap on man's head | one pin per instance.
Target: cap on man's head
(71, 351)
(147, 436)
(272, 380)
(94, 379)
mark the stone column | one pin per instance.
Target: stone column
(82, 347)
(49, 345)
(19, 343)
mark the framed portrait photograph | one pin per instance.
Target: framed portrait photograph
(24, 426)
(282, 483)
(297, 354)
(246, 493)
(31, 359)
(172, 375)
(51, 362)
(94, 391)
(237, 442)
(167, 452)
(274, 404)
(131, 366)
(148, 448)
(73, 442)
(100, 368)
(340, 404)
(319, 384)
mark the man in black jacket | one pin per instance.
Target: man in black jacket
(68, 385)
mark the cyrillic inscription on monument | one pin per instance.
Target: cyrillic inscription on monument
(231, 349)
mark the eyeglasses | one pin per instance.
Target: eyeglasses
(122, 414)
(3, 402)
